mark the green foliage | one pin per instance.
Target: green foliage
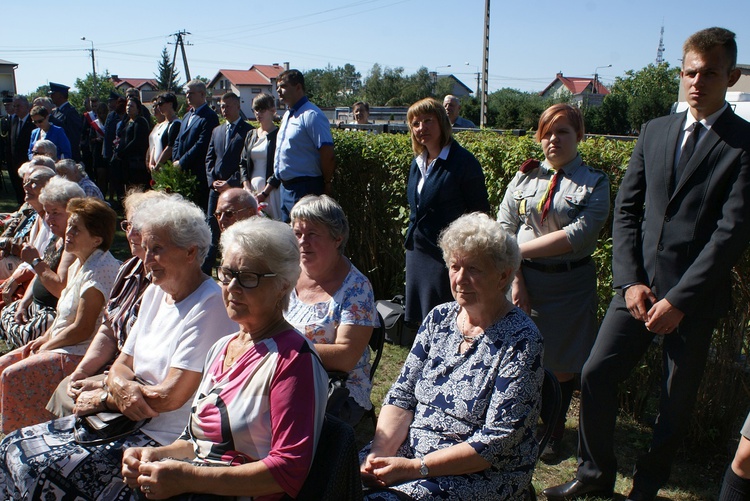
(636, 98)
(332, 87)
(86, 88)
(172, 179)
(513, 109)
(163, 71)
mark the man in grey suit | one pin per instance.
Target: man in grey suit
(191, 146)
(681, 221)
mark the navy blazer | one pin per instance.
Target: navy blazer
(454, 187)
(223, 164)
(683, 241)
(72, 123)
(191, 145)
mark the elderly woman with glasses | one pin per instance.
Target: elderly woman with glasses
(259, 409)
(256, 162)
(45, 130)
(459, 421)
(153, 380)
(333, 304)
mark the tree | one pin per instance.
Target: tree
(164, 69)
(649, 93)
(513, 109)
(383, 86)
(86, 88)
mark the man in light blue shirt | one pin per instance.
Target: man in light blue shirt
(304, 160)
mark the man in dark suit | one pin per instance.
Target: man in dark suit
(191, 146)
(223, 164)
(69, 119)
(20, 136)
(681, 221)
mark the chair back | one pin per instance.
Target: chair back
(377, 341)
(334, 474)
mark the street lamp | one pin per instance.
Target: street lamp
(478, 75)
(596, 77)
(93, 63)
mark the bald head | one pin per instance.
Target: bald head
(234, 204)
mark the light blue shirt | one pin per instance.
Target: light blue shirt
(303, 131)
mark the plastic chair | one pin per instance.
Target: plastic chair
(334, 475)
(551, 391)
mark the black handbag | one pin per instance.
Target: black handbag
(104, 427)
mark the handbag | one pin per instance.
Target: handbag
(338, 393)
(104, 427)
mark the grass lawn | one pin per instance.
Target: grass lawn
(696, 475)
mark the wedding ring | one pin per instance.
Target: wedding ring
(146, 488)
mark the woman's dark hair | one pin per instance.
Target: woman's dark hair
(98, 218)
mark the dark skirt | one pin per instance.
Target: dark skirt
(563, 307)
(427, 285)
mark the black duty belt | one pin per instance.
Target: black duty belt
(556, 267)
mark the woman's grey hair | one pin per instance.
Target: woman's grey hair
(135, 198)
(269, 243)
(25, 168)
(476, 234)
(183, 221)
(68, 167)
(58, 190)
(324, 210)
(43, 160)
(49, 148)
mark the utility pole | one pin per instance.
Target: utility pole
(485, 66)
(180, 42)
(93, 64)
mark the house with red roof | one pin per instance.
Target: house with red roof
(148, 87)
(581, 90)
(260, 78)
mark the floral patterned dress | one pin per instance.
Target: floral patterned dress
(488, 397)
(352, 304)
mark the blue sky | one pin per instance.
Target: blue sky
(529, 41)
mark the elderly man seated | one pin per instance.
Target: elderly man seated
(73, 171)
(234, 204)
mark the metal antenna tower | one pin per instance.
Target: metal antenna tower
(660, 50)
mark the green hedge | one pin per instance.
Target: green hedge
(370, 184)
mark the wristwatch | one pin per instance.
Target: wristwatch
(35, 261)
(423, 470)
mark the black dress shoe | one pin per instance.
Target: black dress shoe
(575, 490)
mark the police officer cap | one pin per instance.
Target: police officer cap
(56, 87)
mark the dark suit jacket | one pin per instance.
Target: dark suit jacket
(192, 143)
(20, 143)
(683, 242)
(454, 187)
(72, 123)
(223, 164)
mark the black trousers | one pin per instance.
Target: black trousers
(621, 343)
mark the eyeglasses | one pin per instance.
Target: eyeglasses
(159, 103)
(229, 213)
(246, 279)
(41, 120)
(125, 225)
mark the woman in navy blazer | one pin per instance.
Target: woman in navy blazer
(445, 181)
(40, 116)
